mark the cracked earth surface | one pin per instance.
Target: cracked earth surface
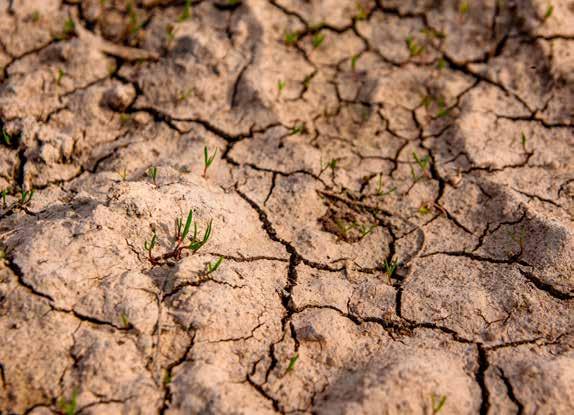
(351, 136)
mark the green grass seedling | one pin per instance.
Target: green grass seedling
(152, 172)
(317, 40)
(414, 48)
(207, 160)
(281, 86)
(423, 164)
(69, 406)
(549, 11)
(292, 362)
(390, 268)
(186, 13)
(4, 194)
(213, 267)
(291, 38)
(26, 196)
(437, 403)
(7, 138)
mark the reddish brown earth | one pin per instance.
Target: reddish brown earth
(392, 196)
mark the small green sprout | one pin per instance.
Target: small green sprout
(298, 129)
(167, 378)
(7, 138)
(26, 196)
(59, 76)
(438, 402)
(2, 254)
(125, 321)
(281, 86)
(198, 243)
(69, 407)
(441, 64)
(364, 230)
(125, 118)
(361, 12)
(185, 95)
(207, 160)
(170, 33)
(134, 24)
(291, 38)
(379, 189)
(186, 13)
(292, 362)
(354, 60)
(213, 267)
(549, 12)
(519, 238)
(317, 40)
(464, 7)
(69, 28)
(432, 33)
(390, 267)
(307, 80)
(152, 172)
(523, 140)
(331, 164)
(123, 174)
(427, 101)
(233, 2)
(35, 16)
(423, 164)
(424, 209)
(4, 194)
(148, 246)
(414, 48)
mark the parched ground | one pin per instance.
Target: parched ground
(392, 195)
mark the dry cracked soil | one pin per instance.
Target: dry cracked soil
(385, 225)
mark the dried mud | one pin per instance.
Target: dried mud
(392, 195)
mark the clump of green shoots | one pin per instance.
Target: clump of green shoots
(152, 173)
(213, 267)
(423, 164)
(390, 268)
(26, 196)
(292, 361)
(464, 8)
(183, 241)
(186, 13)
(437, 402)
(280, 86)
(207, 160)
(415, 49)
(69, 406)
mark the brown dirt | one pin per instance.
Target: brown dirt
(395, 216)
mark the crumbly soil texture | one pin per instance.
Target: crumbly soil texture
(382, 196)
